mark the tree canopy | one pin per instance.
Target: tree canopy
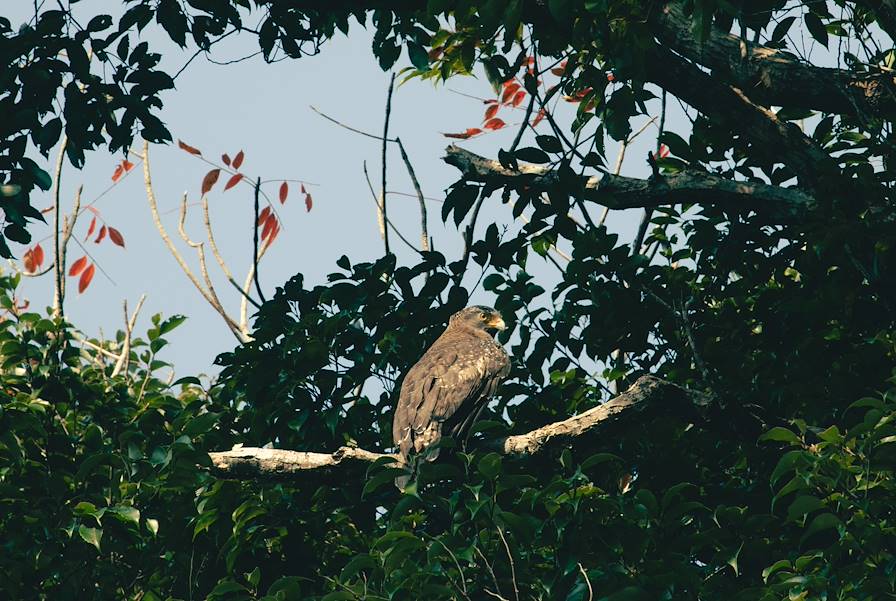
(761, 284)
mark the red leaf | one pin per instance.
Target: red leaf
(238, 159)
(435, 53)
(92, 209)
(262, 217)
(28, 260)
(188, 148)
(116, 237)
(209, 180)
(473, 131)
(226, 159)
(127, 165)
(491, 111)
(539, 117)
(234, 180)
(308, 203)
(509, 91)
(119, 171)
(494, 124)
(284, 190)
(663, 151)
(86, 277)
(78, 266)
(269, 224)
(303, 189)
(611, 77)
(274, 233)
(101, 235)
(559, 69)
(38, 255)
(91, 228)
(518, 98)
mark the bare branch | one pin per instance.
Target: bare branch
(424, 230)
(58, 265)
(153, 206)
(129, 323)
(385, 140)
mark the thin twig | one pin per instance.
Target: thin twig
(516, 591)
(460, 570)
(244, 295)
(588, 582)
(255, 255)
(68, 227)
(380, 219)
(385, 139)
(617, 169)
(468, 235)
(129, 323)
(648, 212)
(424, 230)
(59, 266)
(491, 572)
(154, 209)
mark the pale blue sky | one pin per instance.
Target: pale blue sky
(263, 109)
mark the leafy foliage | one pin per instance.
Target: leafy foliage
(781, 487)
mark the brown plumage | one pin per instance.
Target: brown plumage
(446, 390)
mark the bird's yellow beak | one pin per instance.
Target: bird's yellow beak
(497, 323)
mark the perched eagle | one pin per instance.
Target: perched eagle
(446, 390)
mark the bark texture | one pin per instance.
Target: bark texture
(648, 394)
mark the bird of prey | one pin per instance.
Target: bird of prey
(447, 389)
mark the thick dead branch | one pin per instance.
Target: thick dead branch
(619, 192)
(248, 463)
(775, 77)
(780, 141)
(646, 394)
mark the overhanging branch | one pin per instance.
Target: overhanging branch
(775, 77)
(780, 141)
(647, 394)
(619, 192)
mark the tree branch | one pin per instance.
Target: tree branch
(619, 192)
(775, 77)
(780, 141)
(648, 393)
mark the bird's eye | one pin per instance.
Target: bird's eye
(483, 315)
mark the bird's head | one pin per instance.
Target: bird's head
(478, 317)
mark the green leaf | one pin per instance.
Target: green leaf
(549, 143)
(820, 523)
(803, 505)
(780, 434)
(153, 526)
(775, 567)
(832, 434)
(201, 424)
(91, 535)
(781, 29)
(532, 155)
(816, 28)
(490, 466)
(418, 55)
(171, 323)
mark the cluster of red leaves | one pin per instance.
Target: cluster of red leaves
(83, 268)
(123, 167)
(269, 225)
(114, 235)
(511, 95)
(267, 220)
(662, 152)
(33, 258)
